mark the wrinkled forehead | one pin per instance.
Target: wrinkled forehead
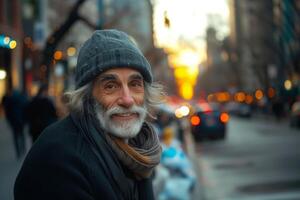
(120, 74)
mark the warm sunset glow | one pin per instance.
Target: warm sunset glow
(180, 28)
(188, 22)
(186, 90)
(186, 78)
(189, 58)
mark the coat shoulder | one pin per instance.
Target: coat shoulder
(57, 165)
(60, 140)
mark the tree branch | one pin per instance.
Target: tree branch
(57, 36)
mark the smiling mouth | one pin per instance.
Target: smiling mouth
(125, 116)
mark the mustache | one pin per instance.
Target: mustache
(120, 110)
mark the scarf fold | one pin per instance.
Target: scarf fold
(104, 153)
(141, 154)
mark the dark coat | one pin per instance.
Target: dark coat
(62, 165)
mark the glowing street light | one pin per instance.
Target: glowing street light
(71, 51)
(2, 74)
(240, 97)
(6, 40)
(12, 44)
(58, 55)
(182, 111)
(259, 94)
(288, 84)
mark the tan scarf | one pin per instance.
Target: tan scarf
(141, 154)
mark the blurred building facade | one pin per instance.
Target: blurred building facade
(261, 52)
(11, 38)
(264, 45)
(217, 75)
(62, 71)
(242, 61)
(287, 39)
(252, 43)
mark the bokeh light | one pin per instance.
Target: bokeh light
(71, 51)
(12, 44)
(288, 84)
(195, 120)
(58, 55)
(259, 94)
(2, 74)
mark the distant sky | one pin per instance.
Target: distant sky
(188, 22)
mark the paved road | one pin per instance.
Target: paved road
(259, 160)
(9, 165)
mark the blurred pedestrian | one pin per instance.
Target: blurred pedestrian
(104, 149)
(41, 112)
(14, 103)
(278, 108)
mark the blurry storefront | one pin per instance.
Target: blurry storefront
(10, 46)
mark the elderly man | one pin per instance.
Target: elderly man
(104, 149)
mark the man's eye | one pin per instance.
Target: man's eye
(110, 86)
(137, 84)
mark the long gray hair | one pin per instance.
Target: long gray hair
(154, 95)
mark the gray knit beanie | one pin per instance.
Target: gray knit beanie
(107, 49)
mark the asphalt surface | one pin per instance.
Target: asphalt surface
(9, 164)
(259, 160)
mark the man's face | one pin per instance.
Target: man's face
(120, 101)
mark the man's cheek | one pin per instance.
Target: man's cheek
(140, 101)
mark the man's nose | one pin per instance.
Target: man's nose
(126, 99)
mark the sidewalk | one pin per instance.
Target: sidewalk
(9, 165)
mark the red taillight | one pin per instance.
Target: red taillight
(224, 117)
(195, 120)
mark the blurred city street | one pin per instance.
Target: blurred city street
(9, 164)
(259, 160)
(226, 75)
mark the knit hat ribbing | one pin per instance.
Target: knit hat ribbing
(107, 49)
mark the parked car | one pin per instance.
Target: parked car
(209, 122)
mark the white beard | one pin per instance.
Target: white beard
(123, 129)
